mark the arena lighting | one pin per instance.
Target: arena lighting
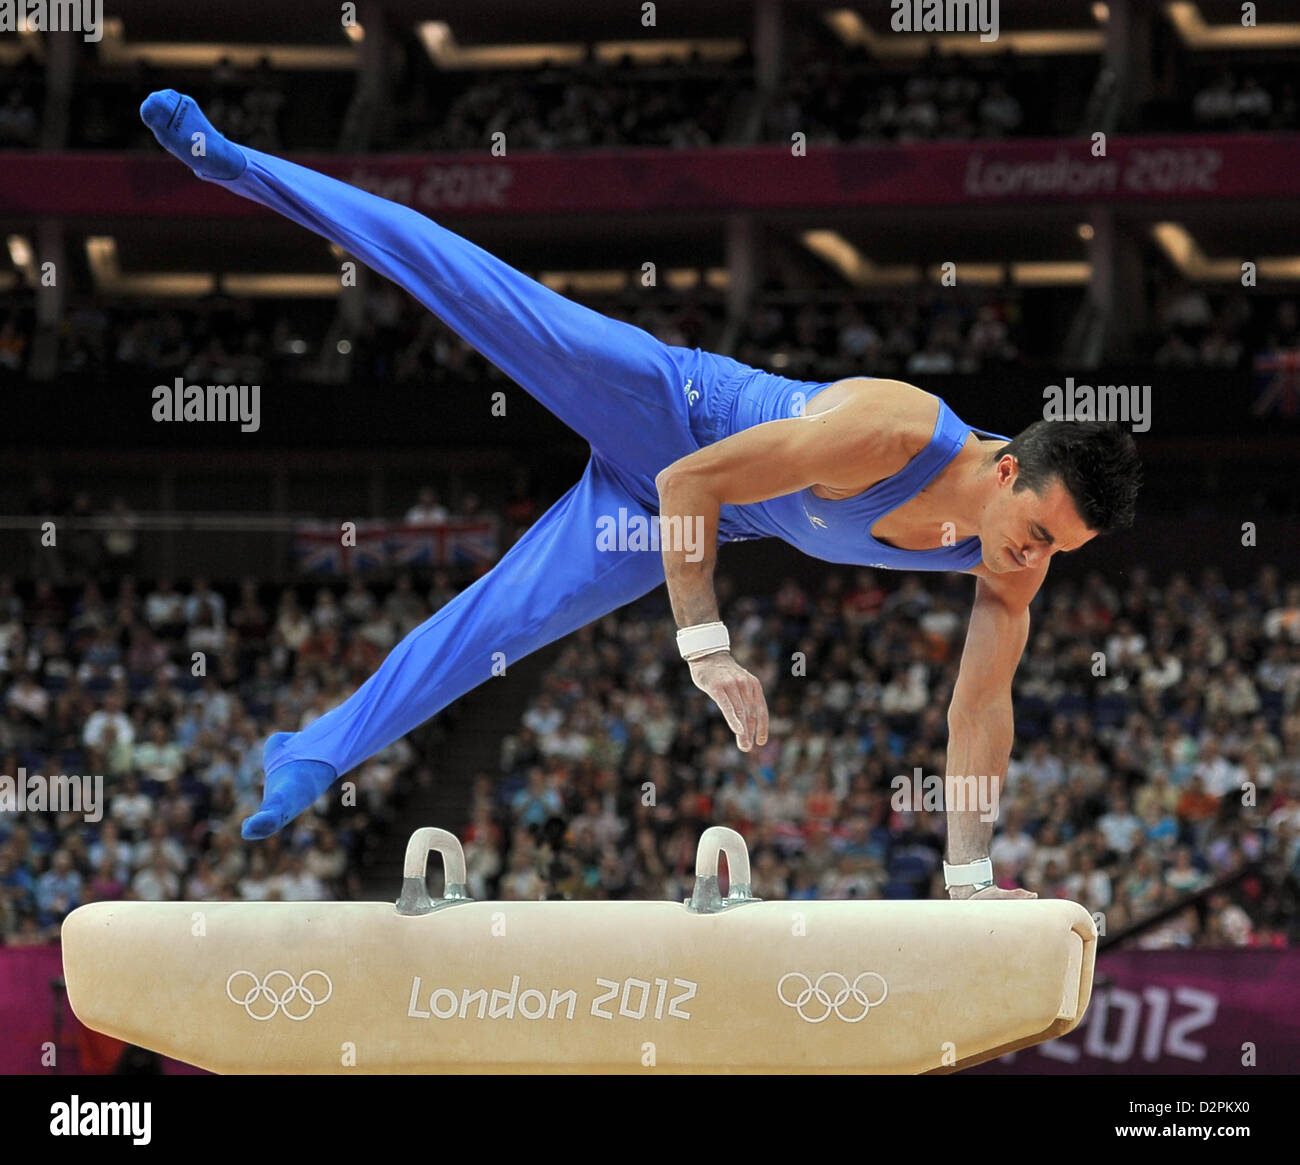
(101, 256)
(292, 286)
(685, 278)
(114, 49)
(440, 43)
(1186, 255)
(833, 248)
(596, 282)
(1190, 25)
(658, 51)
(853, 30)
(983, 274)
(584, 281)
(22, 256)
(27, 45)
(1050, 274)
(1036, 273)
(1101, 12)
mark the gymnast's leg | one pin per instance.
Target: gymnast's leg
(554, 580)
(616, 385)
(604, 378)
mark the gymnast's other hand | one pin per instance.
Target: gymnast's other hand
(738, 695)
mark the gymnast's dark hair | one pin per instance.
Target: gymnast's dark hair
(1096, 461)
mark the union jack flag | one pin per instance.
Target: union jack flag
(319, 547)
(1277, 377)
(470, 543)
(371, 550)
(414, 545)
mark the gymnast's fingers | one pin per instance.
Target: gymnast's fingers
(718, 694)
(750, 697)
(760, 732)
(738, 694)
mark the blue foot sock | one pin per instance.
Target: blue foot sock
(288, 791)
(181, 129)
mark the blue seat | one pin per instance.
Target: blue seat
(1071, 704)
(1111, 710)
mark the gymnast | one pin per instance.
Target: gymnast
(865, 471)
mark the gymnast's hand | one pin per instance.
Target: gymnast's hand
(738, 695)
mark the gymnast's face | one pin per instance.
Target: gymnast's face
(1021, 529)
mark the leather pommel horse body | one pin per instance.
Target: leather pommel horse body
(717, 984)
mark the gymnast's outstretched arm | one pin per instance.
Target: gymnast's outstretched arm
(843, 447)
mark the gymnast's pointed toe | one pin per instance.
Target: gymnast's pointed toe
(184, 132)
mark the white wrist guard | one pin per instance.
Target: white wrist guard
(978, 874)
(703, 639)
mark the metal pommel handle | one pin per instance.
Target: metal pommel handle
(414, 899)
(707, 898)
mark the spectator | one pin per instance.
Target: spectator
(159, 758)
(156, 882)
(109, 718)
(1000, 113)
(428, 510)
(295, 883)
(18, 125)
(1215, 104)
(131, 808)
(58, 890)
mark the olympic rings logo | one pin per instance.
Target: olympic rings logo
(279, 991)
(824, 1003)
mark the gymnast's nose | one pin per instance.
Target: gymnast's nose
(1034, 554)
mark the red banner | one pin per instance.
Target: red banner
(39, 1035)
(731, 178)
(1168, 1013)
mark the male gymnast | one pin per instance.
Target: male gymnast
(865, 471)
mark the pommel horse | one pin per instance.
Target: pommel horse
(719, 983)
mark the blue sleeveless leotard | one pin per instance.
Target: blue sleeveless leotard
(839, 531)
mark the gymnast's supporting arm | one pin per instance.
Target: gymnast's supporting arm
(981, 726)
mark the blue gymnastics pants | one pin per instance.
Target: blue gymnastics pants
(626, 393)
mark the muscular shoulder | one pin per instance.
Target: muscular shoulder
(1013, 590)
(886, 406)
(893, 421)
